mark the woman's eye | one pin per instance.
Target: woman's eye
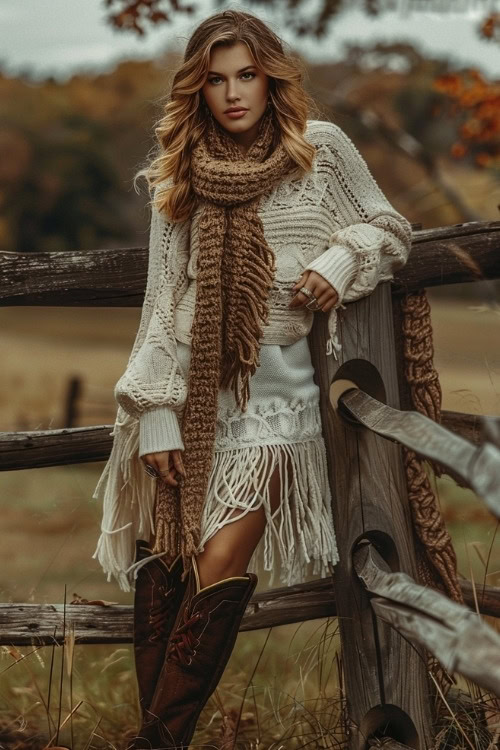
(215, 79)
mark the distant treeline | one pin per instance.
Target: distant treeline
(68, 151)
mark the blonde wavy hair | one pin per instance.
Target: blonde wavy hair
(185, 113)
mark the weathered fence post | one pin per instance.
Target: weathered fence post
(385, 676)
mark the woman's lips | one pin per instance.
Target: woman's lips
(236, 115)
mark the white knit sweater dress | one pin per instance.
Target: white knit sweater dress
(333, 220)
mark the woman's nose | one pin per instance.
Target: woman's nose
(232, 91)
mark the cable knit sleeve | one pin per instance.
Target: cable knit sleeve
(153, 388)
(370, 240)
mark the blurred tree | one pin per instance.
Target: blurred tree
(383, 96)
(134, 15)
(478, 99)
(69, 150)
(58, 186)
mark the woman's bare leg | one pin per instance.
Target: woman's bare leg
(228, 552)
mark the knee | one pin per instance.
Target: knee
(223, 561)
(229, 551)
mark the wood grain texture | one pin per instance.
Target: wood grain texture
(74, 445)
(116, 277)
(451, 255)
(40, 448)
(460, 639)
(23, 624)
(467, 426)
(86, 278)
(369, 501)
(477, 466)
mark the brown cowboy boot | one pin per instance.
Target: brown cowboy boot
(158, 595)
(198, 650)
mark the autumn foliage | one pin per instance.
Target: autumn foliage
(469, 94)
(490, 27)
(133, 14)
(479, 102)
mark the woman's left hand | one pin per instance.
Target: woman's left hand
(324, 292)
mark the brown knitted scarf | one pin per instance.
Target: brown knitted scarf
(236, 269)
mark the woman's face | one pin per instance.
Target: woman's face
(234, 81)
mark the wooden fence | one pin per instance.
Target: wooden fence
(387, 621)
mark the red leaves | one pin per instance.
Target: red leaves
(134, 14)
(490, 27)
(478, 100)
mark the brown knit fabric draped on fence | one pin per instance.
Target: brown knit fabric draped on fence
(436, 558)
(425, 390)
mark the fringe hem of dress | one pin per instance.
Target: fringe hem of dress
(128, 496)
(300, 531)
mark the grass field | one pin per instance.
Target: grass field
(46, 346)
(50, 527)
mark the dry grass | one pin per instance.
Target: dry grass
(466, 355)
(293, 693)
(281, 690)
(46, 346)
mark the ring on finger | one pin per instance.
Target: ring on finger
(308, 293)
(151, 471)
(315, 303)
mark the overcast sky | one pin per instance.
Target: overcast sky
(60, 37)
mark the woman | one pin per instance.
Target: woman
(260, 218)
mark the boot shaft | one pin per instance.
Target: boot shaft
(198, 650)
(202, 619)
(158, 595)
(157, 588)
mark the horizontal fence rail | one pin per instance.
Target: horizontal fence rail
(478, 466)
(459, 638)
(42, 624)
(41, 448)
(451, 255)
(117, 277)
(73, 445)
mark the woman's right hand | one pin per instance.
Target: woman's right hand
(167, 464)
